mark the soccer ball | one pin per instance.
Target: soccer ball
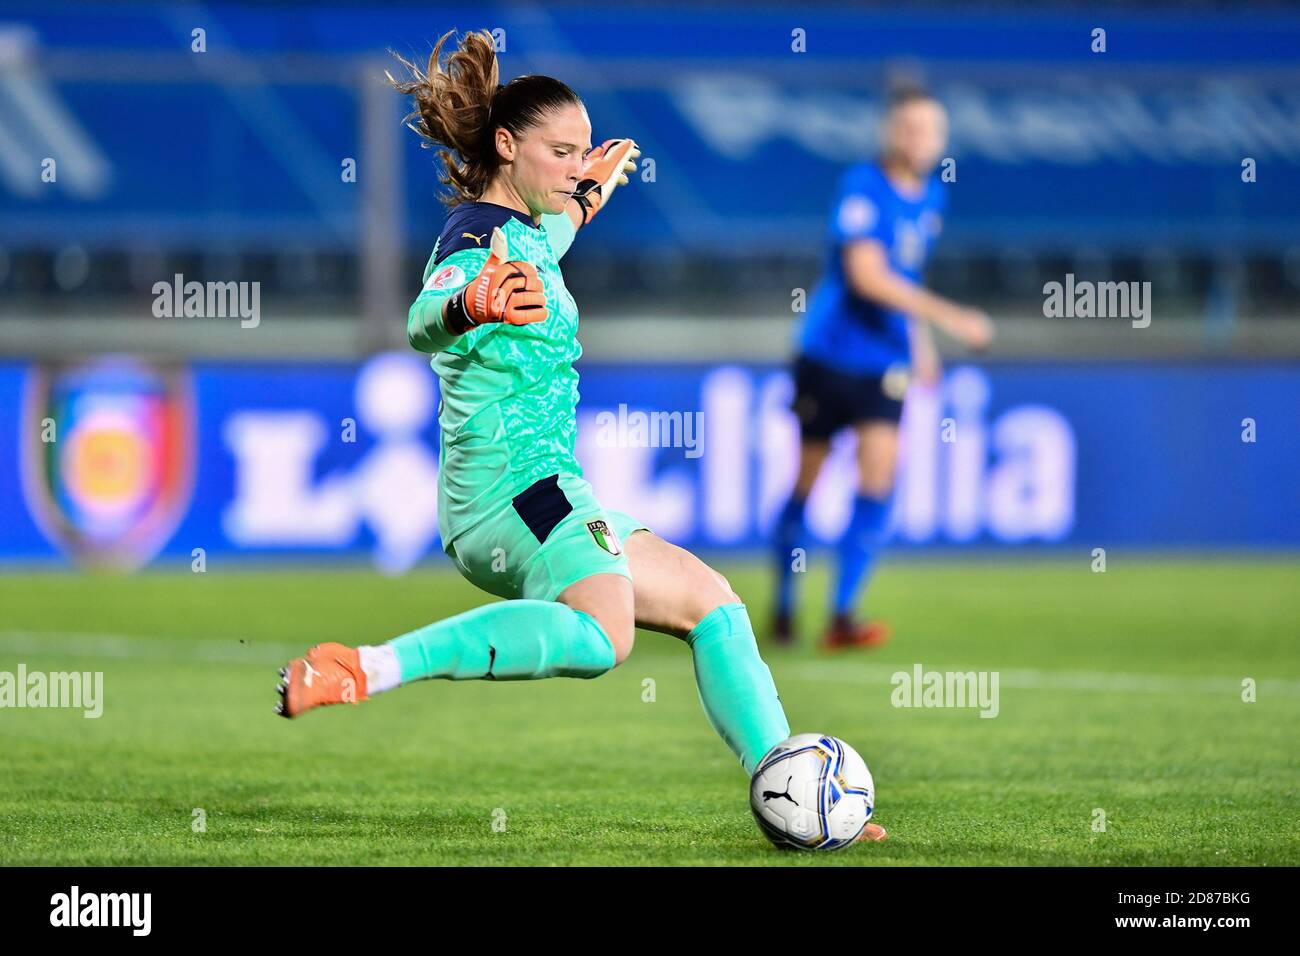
(812, 792)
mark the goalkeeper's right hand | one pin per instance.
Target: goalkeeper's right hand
(505, 290)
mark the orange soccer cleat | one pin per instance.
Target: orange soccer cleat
(329, 674)
(846, 632)
(873, 833)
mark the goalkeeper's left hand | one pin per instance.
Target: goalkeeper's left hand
(607, 167)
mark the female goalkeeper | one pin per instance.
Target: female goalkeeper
(515, 515)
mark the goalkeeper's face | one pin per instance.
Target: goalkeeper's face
(549, 157)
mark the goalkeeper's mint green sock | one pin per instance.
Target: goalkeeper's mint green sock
(736, 688)
(512, 640)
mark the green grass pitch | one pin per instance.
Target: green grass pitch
(1120, 692)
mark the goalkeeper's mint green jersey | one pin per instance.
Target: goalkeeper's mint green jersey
(508, 415)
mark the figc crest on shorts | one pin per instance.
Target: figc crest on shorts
(605, 536)
(895, 381)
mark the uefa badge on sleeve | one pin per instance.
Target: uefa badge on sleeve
(605, 537)
(448, 277)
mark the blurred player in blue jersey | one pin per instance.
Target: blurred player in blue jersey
(866, 332)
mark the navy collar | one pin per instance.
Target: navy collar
(523, 217)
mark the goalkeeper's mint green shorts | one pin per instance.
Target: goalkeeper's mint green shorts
(549, 536)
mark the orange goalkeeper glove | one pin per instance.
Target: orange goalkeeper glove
(607, 167)
(505, 290)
